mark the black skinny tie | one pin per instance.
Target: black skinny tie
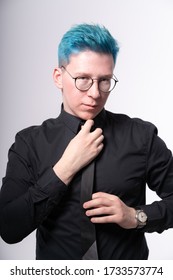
(88, 235)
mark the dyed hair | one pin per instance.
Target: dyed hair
(84, 37)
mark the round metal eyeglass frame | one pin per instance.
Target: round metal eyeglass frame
(113, 79)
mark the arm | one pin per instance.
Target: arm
(26, 201)
(159, 177)
(106, 208)
(80, 152)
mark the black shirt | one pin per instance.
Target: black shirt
(32, 196)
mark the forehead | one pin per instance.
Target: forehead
(90, 62)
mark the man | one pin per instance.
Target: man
(43, 184)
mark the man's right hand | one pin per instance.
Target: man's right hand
(81, 150)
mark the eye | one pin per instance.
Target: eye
(82, 78)
(83, 81)
(105, 80)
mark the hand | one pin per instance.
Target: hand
(108, 208)
(81, 150)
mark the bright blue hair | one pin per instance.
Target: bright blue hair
(84, 37)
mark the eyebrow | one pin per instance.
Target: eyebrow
(79, 74)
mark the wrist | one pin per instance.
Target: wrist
(141, 218)
(63, 172)
(134, 223)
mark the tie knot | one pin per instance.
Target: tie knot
(81, 123)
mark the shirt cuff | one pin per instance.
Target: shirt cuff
(156, 217)
(49, 186)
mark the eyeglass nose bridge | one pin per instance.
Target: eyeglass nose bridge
(92, 83)
(89, 86)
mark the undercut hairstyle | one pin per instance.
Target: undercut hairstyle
(85, 37)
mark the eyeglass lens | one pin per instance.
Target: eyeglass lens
(105, 85)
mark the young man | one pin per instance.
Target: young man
(43, 189)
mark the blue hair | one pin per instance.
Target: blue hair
(84, 37)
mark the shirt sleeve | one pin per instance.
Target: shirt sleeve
(159, 178)
(26, 201)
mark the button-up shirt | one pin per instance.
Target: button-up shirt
(33, 197)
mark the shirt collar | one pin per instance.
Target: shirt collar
(73, 122)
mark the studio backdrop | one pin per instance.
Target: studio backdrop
(30, 31)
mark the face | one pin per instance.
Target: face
(84, 104)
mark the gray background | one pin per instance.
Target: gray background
(30, 31)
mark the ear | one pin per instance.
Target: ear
(57, 77)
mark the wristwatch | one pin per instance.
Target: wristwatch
(141, 218)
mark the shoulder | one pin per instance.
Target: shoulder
(35, 132)
(125, 122)
(133, 130)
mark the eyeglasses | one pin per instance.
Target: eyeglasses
(84, 83)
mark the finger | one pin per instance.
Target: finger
(87, 126)
(98, 202)
(101, 211)
(102, 220)
(96, 134)
(99, 140)
(104, 195)
(99, 148)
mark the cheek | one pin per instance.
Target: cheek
(72, 99)
(104, 99)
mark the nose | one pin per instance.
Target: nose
(94, 90)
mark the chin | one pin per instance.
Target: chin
(87, 116)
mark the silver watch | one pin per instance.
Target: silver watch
(141, 218)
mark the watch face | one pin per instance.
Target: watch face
(142, 217)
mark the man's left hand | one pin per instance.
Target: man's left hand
(108, 208)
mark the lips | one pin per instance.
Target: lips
(90, 106)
